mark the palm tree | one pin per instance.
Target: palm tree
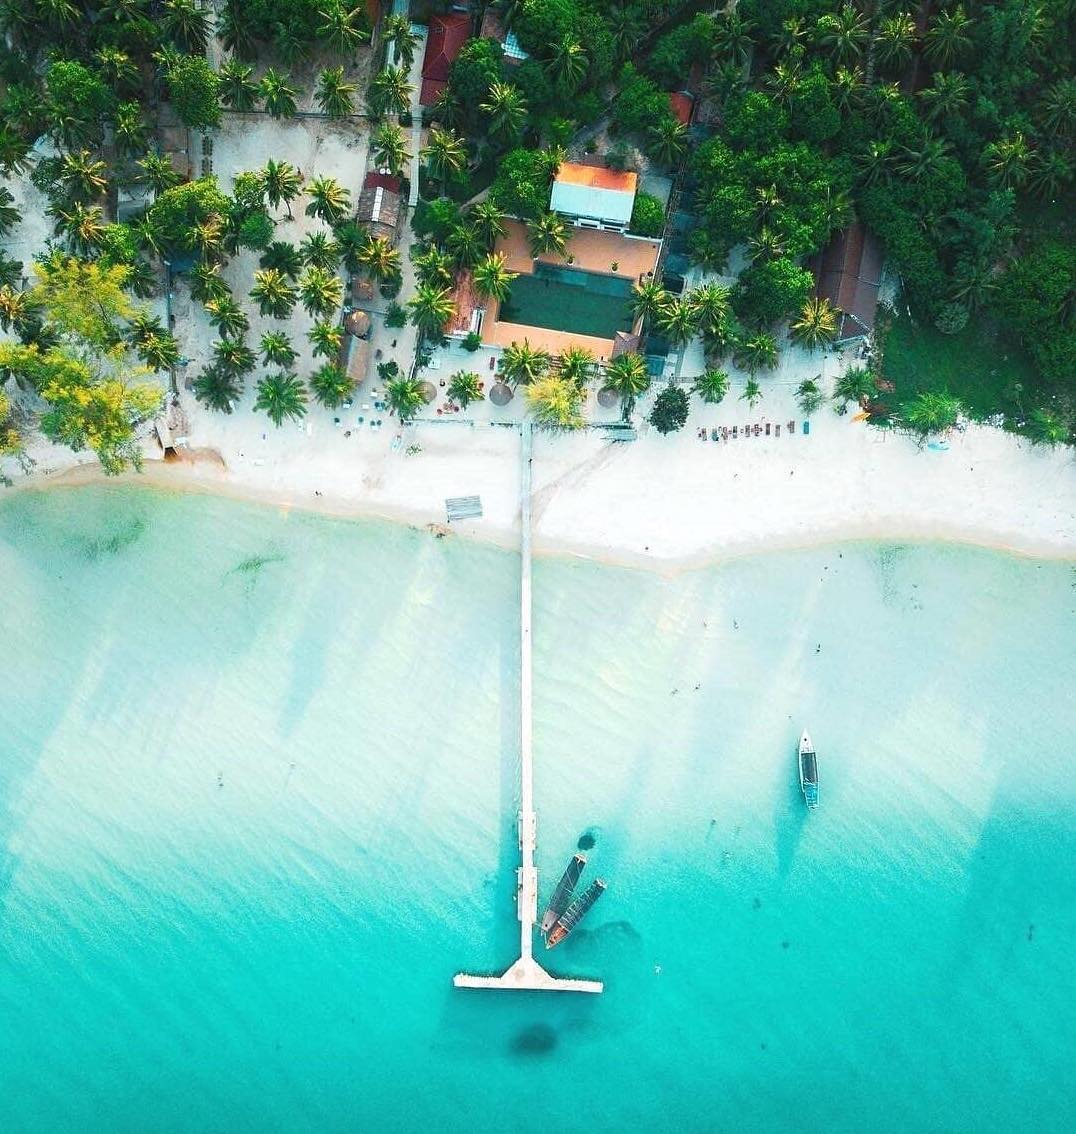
(931, 411)
(342, 29)
(84, 227)
(187, 24)
(434, 267)
(627, 376)
(233, 356)
(947, 96)
(380, 259)
(856, 384)
(397, 31)
(277, 349)
(765, 245)
(159, 352)
(334, 95)
(280, 396)
(464, 245)
(568, 65)
(507, 111)
(282, 256)
(207, 284)
(648, 298)
(143, 325)
(752, 393)
(404, 397)
(82, 176)
(555, 402)
(808, 395)
(208, 238)
(319, 250)
(128, 128)
(329, 200)
(489, 220)
(679, 321)
(278, 95)
(877, 163)
(1049, 173)
(281, 181)
(522, 363)
(817, 324)
(844, 33)
(712, 386)
(577, 365)
(390, 92)
(1047, 428)
(1007, 160)
(847, 88)
(321, 291)
(925, 161)
(732, 35)
(547, 234)
(325, 338)
(895, 40)
(237, 89)
(668, 141)
(973, 282)
(784, 81)
(227, 316)
(1058, 107)
(217, 390)
(17, 308)
(331, 385)
(947, 37)
(389, 148)
(116, 67)
(431, 308)
(757, 353)
(625, 30)
(273, 293)
(351, 238)
(465, 387)
(446, 154)
(158, 173)
(237, 31)
(492, 277)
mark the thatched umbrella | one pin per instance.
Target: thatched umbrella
(429, 392)
(357, 324)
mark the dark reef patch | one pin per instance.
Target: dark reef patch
(537, 1039)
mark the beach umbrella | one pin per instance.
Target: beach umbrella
(429, 392)
(500, 394)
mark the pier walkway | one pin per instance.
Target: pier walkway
(526, 973)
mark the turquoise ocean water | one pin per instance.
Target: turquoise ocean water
(257, 794)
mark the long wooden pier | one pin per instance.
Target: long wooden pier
(526, 973)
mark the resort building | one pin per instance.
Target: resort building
(378, 206)
(444, 41)
(592, 196)
(848, 272)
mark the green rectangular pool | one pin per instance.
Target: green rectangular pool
(566, 299)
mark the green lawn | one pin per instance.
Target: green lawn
(980, 367)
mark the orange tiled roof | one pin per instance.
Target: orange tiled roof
(597, 177)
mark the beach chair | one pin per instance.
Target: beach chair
(758, 429)
(777, 430)
(791, 427)
(767, 429)
(735, 431)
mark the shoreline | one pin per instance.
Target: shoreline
(193, 477)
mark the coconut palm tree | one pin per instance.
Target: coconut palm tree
(847, 88)
(434, 267)
(507, 111)
(159, 352)
(14, 153)
(321, 291)
(668, 141)
(10, 271)
(281, 396)
(856, 384)
(282, 256)
(227, 316)
(568, 65)
(273, 293)
(931, 411)
(187, 24)
(397, 32)
(351, 238)
(489, 220)
(389, 148)
(390, 92)
(1007, 160)
(648, 298)
(732, 35)
(844, 34)
(380, 259)
(1058, 107)
(278, 95)
(625, 30)
(752, 393)
(331, 385)
(116, 67)
(17, 308)
(464, 245)
(577, 365)
(129, 129)
(446, 154)
(894, 41)
(947, 37)
(206, 283)
(143, 325)
(876, 164)
(492, 277)
(404, 396)
(158, 173)
(217, 390)
(924, 161)
(547, 234)
(465, 387)
(334, 94)
(208, 238)
(765, 245)
(431, 308)
(947, 96)
(974, 282)
(1050, 172)
(82, 176)
(281, 182)
(817, 324)
(627, 376)
(238, 91)
(808, 395)
(319, 250)
(759, 352)
(712, 386)
(522, 363)
(277, 349)
(342, 29)
(83, 226)
(325, 338)
(233, 356)
(678, 321)
(329, 200)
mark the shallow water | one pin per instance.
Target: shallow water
(257, 797)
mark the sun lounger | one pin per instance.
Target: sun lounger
(713, 434)
(724, 433)
(777, 430)
(767, 429)
(735, 431)
(791, 427)
(758, 429)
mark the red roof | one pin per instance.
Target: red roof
(376, 180)
(446, 37)
(848, 272)
(682, 106)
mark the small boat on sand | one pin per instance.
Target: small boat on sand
(808, 770)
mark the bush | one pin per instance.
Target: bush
(648, 215)
(472, 341)
(772, 291)
(195, 91)
(670, 410)
(639, 104)
(256, 231)
(396, 316)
